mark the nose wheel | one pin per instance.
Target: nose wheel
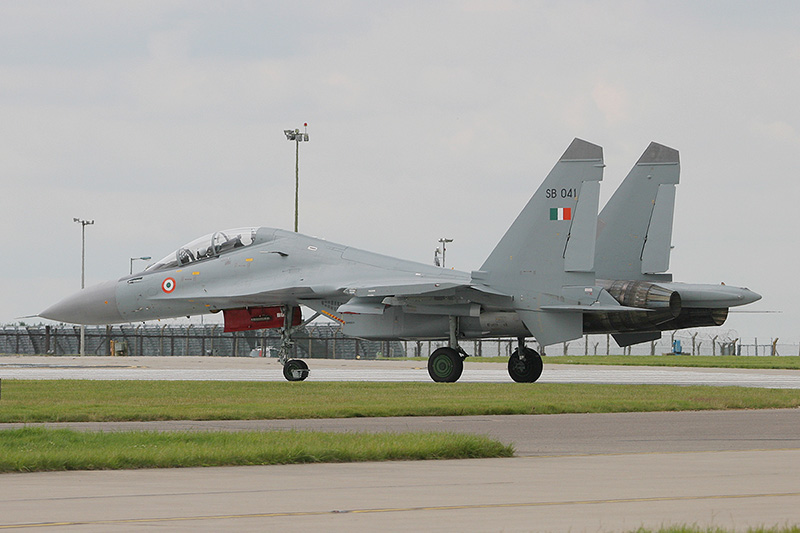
(295, 370)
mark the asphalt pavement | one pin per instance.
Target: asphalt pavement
(577, 472)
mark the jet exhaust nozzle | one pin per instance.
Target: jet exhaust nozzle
(645, 295)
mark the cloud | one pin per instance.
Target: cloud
(163, 120)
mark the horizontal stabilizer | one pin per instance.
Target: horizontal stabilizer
(595, 308)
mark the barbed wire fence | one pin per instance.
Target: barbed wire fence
(327, 341)
(314, 341)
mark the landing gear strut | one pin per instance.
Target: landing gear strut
(446, 364)
(525, 364)
(293, 369)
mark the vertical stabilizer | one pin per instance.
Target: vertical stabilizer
(635, 227)
(551, 244)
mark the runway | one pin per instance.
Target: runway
(609, 472)
(265, 369)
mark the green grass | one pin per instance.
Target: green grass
(39, 449)
(695, 529)
(87, 400)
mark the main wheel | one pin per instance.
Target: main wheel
(525, 369)
(295, 370)
(445, 365)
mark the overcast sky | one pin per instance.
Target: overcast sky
(163, 121)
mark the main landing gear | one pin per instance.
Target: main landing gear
(525, 364)
(293, 369)
(446, 364)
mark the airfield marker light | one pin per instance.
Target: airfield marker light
(297, 137)
(83, 224)
(143, 258)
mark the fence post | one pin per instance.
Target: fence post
(213, 329)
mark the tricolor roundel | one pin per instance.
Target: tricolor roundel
(560, 213)
(168, 285)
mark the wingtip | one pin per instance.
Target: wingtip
(580, 150)
(658, 153)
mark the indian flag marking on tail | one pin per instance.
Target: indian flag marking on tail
(560, 213)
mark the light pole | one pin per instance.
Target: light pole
(297, 137)
(444, 248)
(83, 224)
(143, 258)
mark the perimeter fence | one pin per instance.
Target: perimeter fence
(327, 341)
(313, 341)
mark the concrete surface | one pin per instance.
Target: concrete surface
(607, 472)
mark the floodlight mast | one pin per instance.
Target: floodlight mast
(444, 242)
(297, 137)
(83, 224)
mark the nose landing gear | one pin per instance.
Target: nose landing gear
(293, 369)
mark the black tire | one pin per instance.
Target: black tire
(527, 369)
(445, 365)
(292, 365)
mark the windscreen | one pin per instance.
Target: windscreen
(206, 247)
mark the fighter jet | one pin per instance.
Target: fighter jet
(539, 281)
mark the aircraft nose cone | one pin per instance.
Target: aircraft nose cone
(94, 305)
(749, 296)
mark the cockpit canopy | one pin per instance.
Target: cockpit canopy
(206, 247)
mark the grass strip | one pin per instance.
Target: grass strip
(40, 449)
(90, 400)
(696, 529)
